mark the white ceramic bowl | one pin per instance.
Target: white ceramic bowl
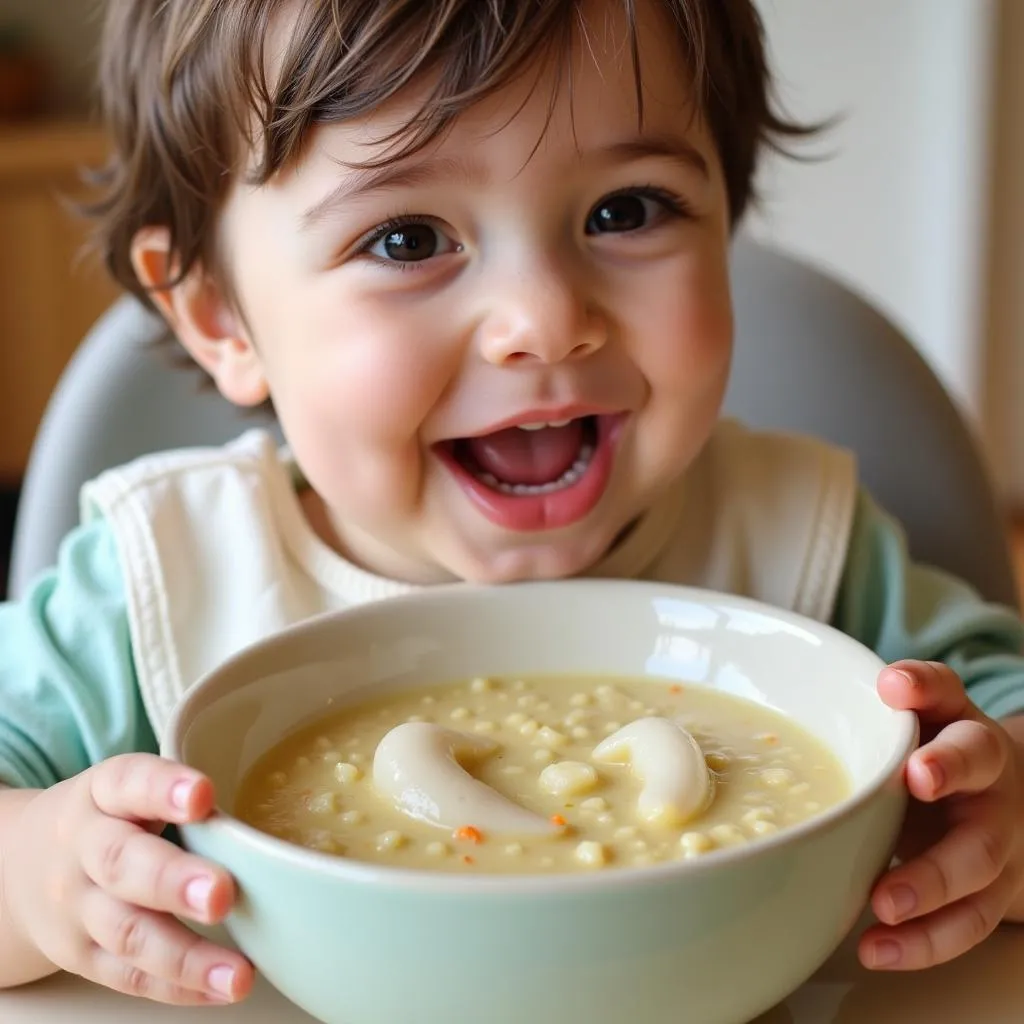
(717, 940)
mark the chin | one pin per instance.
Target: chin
(535, 559)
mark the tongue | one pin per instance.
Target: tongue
(532, 457)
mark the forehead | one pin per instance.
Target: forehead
(594, 90)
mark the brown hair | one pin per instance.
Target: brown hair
(187, 98)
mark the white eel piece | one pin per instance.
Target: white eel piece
(419, 766)
(668, 762)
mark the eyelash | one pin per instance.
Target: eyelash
(392, 224)
(674, 204)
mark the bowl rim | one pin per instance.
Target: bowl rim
(221, 824)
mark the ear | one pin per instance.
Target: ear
(203, 318)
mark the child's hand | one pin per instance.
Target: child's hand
(91, 885)
(963, 844)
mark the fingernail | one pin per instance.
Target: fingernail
(197, 893)
(936, 774)
(221, 980)
(180, 794)
(885, 954)
(902, 900)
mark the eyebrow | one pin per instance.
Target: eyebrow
(366, 181)
(362, 182)
(672, 147)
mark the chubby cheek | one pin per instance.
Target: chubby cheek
(684, 355)
(688, 335)
(352, 400)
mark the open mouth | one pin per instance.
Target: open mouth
(535, 459)
(538, 475)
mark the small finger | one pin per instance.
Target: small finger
(144, 870)
(143, 787)
(941, 936)
(120, 976)
(967, 860)
(930, 688)
(966, 757)
(153, 955)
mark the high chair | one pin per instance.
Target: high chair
(811, 356)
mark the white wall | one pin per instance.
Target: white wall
(899, 207)
(1004, 405)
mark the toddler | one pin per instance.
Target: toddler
(475, 253)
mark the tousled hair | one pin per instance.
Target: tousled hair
(186, 95)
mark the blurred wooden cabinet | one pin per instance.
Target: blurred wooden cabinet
(50, 291)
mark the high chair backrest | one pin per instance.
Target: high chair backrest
(810, 356)
(814, 357)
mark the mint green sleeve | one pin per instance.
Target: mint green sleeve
(902, 609)
(68, 691)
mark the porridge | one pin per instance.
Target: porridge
(540, 775)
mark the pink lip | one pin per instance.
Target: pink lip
(535, 512)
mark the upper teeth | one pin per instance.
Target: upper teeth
(543, 426)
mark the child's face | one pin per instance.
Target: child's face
(517, 273)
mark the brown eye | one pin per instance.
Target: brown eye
(616, 214)
(409, 243)
(409, 240)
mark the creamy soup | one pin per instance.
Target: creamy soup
(541, 775)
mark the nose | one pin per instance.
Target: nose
(543, 315)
